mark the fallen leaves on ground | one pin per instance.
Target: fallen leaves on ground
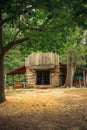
(44, 109)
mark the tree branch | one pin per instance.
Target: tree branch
(37, 29)
(13, 44)
(42, 29)
(16, 42)
(47, 20)
(15, 16)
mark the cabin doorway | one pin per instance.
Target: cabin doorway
(43, 77)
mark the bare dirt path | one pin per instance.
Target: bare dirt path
(44, 109)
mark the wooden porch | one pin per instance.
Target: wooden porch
(19, 72)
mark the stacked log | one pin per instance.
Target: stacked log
(30, 77)
(42, 61)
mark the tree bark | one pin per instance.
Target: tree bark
(3, 50)
(2, 93)
(71, 68)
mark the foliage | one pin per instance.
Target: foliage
(41, 23)
(13, 59)
(53, 37)
(71, 45)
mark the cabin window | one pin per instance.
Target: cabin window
(43, 78)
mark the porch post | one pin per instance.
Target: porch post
(84, 78)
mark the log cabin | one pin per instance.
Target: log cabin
(44, 70)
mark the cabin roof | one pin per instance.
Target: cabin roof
(18, 70)
(41, 61)
(22, 69)
(83, 68)
(36, 60)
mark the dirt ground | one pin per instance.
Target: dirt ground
(44, 109)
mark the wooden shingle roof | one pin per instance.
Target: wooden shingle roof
(36, 60)
(19, 70)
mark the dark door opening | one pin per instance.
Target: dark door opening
(43, 77)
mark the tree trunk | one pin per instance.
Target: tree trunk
(70, 74)
(71, 68)
(2, 93)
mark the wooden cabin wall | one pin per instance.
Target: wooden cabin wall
(42, 61)
(55, 77)
(62, 74)
(30, 77)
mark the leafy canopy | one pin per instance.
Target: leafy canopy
(47, 23)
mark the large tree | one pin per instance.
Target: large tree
(76, 51)
(31, 16)
(13, 13)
